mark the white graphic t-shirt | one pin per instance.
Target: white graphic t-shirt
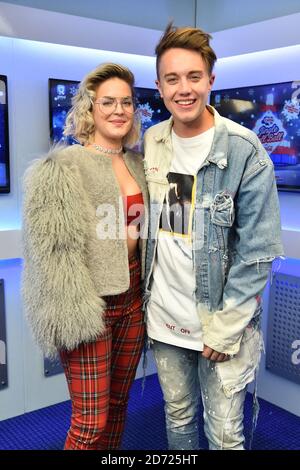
(172, 314)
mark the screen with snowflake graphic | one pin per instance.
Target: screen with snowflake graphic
(61, 93)
(273, 113)
(151, 108)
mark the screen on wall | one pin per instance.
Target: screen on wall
(4, 144)
(61, 93)
(273, 113)
(149, 106)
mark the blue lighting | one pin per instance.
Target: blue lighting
(9, 263)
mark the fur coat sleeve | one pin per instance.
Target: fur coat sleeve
(60, 299)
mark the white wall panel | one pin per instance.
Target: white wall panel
(12, 398)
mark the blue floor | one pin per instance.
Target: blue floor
(46, 429)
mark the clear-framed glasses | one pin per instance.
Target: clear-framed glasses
(108, 104)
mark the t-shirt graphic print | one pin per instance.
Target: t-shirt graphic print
(176, 217)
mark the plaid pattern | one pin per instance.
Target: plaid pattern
(100, 373)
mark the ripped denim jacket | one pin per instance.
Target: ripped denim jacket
(236, 227)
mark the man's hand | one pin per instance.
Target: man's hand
(213, 355)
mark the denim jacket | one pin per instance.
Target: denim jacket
(236, 227)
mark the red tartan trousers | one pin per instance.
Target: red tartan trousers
(99, 374)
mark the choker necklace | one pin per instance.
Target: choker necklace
(108, 151)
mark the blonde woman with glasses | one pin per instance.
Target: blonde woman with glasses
(85, 226)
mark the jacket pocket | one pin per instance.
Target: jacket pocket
(222, 210)
(157, 187)
(240, 370)
(157, 179)
(222, 217)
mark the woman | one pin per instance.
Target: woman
(84, 240)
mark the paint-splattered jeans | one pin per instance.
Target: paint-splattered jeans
(183, 372)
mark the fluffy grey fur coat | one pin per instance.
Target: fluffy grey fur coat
(66, 267)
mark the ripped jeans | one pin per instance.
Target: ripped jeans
(184, 372)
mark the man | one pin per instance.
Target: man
(204, 284)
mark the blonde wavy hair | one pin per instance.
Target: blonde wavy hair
(80, 121)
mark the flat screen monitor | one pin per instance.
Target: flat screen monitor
(151, 109)
(149, 106)
(273, 113)
(4, 137)
(61, 93)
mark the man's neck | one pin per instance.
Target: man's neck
(192, 129)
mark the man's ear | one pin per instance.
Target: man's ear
(157, 83)
(212, 79)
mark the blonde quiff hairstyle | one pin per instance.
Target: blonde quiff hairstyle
(80, 121)
(186, 38)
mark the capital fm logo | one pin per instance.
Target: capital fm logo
(60, 93)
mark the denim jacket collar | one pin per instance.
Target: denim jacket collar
(219, 149)
(164, 133)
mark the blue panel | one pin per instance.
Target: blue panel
(3, 345)
(283, 337)
(52, 367)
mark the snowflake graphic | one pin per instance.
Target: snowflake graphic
(291, 109)
(146, 112)
(73, 90)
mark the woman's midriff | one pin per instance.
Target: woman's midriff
(133, 232)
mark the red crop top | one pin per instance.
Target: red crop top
(133, 209)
